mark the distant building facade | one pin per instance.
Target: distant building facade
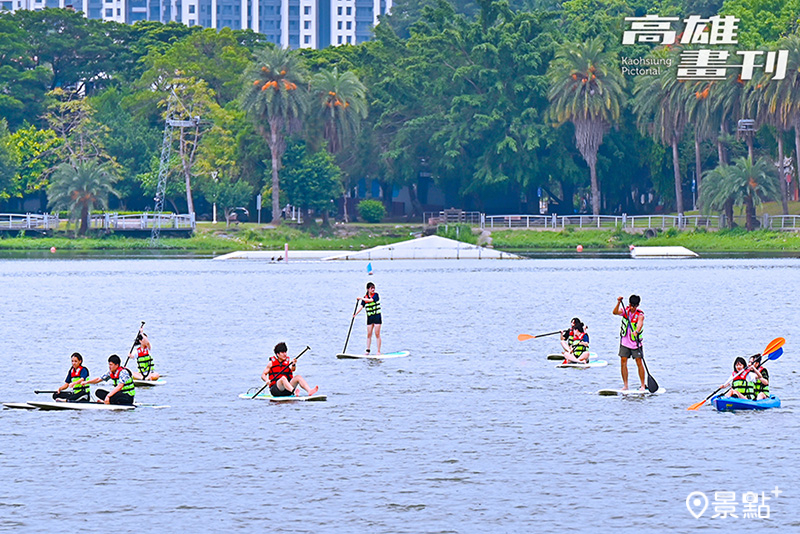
(289, 23)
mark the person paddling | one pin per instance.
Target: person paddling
(578, 351)
(280, 374)
(371, 301)
(761, 382)
(740, 387)
(143, 359)
(122, 378)
(75, 375)
(630, 334)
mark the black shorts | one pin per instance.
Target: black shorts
(275, 391)
(374, 319)
(627, 352)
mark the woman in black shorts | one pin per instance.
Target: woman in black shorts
(371, 301)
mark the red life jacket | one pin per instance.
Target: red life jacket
(142, 351)
(277, 369)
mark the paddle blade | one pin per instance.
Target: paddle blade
(775, 355)
(525, 337)
(652, 385)
(697, 405)
(774, 345)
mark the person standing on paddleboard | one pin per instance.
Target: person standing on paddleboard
(280, 374)
(371, 301)
(630, 334)
(123, 391)
(76, 374)
(143, 359)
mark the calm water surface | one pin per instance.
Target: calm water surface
(474, 432)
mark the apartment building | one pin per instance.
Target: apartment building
(290, 23)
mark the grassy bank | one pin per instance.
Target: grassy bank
(736, 240)
(219, 239)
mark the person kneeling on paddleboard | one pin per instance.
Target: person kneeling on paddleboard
(740, 387)
(630, 338)
(761, 378)
(578, 351)
(75, 377)
(122, 378)
(280, 374)
(143, 359)
(371, 301)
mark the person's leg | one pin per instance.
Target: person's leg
(136, 375)
(120, 398)
(640, 365)
(299, 380)
(623, 366)
(761, 396)
(570, 357)
(370, 327)
(378, 336)
(101, 394)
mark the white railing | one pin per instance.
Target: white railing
(28, 221)
(142, 221)
(452, 216)
(634, 222)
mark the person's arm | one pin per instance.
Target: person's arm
(113, 392)
(616, 308)
(265, 374)
(360, 308)
(640, 324)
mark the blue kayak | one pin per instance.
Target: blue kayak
(728, 404)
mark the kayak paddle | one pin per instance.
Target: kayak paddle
(773, 351)
(526, 337)
(265, 385)
(353, 318)
(134, 344)
(37, 391)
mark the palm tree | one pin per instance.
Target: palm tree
(276, 102)
(661, 112)
(80, 186)
(586, 89)
(746, 183)
(713, 197)
(341, 104)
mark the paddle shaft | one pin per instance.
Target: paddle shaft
(37, 391)
(134, 345)
(265, 385)
(353, 318)
(652, 385)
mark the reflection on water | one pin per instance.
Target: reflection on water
(474, 431)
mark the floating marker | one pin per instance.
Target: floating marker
(579, 248)
(52, 250)
(369, 268)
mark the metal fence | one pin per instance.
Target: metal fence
(633, 222)
(28, 221)
(142, 221)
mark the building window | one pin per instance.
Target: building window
(349, 11)
(349, 25)
(191, 22)
(340, 39)
(191, 10)
(340, 25)
(307, 10)
(340, 11)
(109, 12)
(119, 12)
(307, 25)
(307, 39)
(349, 41)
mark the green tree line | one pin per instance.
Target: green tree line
(497, 102)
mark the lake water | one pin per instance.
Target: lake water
(474, 432)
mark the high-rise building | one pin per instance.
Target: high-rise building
(290, 23)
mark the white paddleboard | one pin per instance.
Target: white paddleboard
(19, 405)
(629, 392)
(149, 383)
(560, 357)
(384, 356)
(592, 363)
(55, 405)
(290, 398)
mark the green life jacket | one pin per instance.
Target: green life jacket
(373, 308)
(743, 386)
(758, 387)
(577, 348)
(75, 376)
(627, 325)
(144, 361)
(128, 388)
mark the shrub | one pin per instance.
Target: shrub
(371, 211)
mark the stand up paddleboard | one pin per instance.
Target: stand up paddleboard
(384, 356)
(55, 405)
(290, 398)
(149, 383)
(560, 357)
(629, 392)
(592, 363)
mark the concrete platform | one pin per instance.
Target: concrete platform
(662, 252)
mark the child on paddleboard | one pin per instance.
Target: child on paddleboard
(371, 301)
(280, 374)
(630, 338)
(577, 350)
(143, 359)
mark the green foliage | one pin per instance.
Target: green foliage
(9, 160)
(80, 186)
(460, 232)
(313, 180)
(762, 21)
(371, 211)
